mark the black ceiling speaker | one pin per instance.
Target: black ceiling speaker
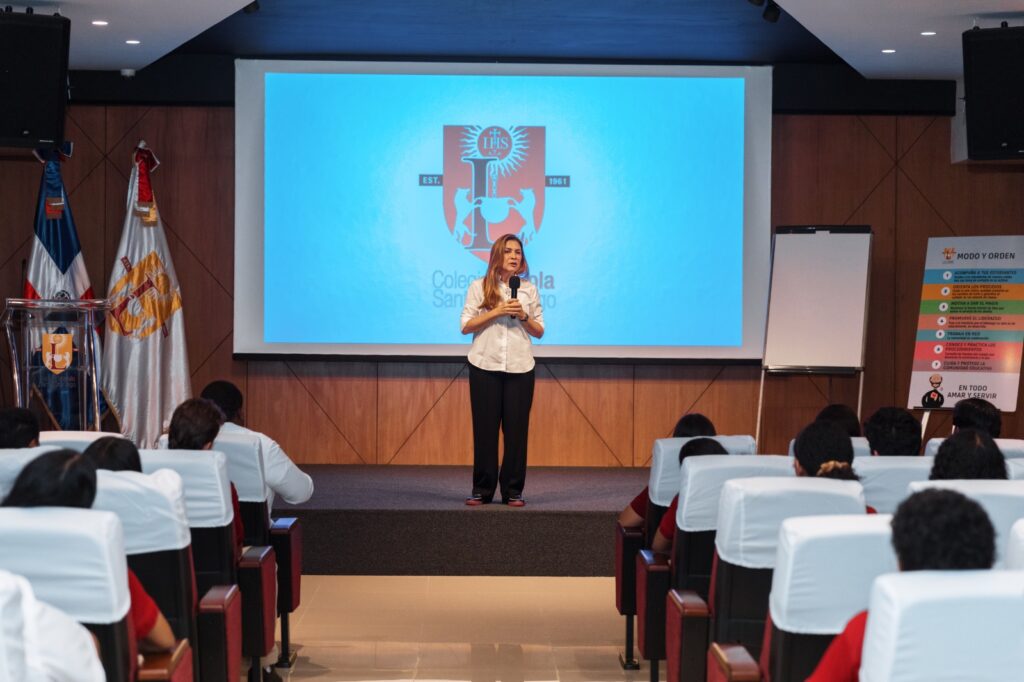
(33, 79)
(994, 92)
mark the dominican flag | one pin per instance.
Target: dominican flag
(144, 353)
(56, 269)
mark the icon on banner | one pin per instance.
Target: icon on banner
(934, 397)
(948, 254)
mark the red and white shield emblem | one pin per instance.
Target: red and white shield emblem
(493, 184)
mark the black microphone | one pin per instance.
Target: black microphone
(513, 284)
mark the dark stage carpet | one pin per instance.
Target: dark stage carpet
(411, 520)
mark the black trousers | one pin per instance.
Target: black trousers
(499, 400)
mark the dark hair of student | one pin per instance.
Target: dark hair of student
(936, 530)
(893, 431)
(842, 416)
(977, 413)
(114, 454)
(693, 425)
(823, 449)
(60, 478)
(701, 446)
(968, 454)
(19, 427)
(226, 396)
(194, 424)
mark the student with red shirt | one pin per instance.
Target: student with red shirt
(65, 478)
(194, 426)
(932, 530)
(663, 537)
(692, 425)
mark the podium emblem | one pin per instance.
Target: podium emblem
(493, 184)
(57, 352)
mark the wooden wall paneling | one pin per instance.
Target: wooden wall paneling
(795, 171)
(406, 393)
(910, 128)
(662, 394)
(732, 398)
(347, 392)
(604, 396)
(91, 122)
(220, 365)
(279, 405)
(883, 129)
(122, 124)
(879, 211)
(847, 179)
(791, 401)
(88, 206)
(443, 433)
(560, 433)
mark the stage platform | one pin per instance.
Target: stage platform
(412, 520)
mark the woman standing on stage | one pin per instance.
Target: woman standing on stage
(501, 370)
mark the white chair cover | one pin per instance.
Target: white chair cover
(1002, 500)
(825, 568)
(885, 478)
(704, 476)
(945, 626)
(13, 460)
(1015, 551)
(204, 475)
(1012, 448)
(664, 481)
(74, 440)
(151, 508)
(13, 654)
(74, 559)
(751, 511)
(39, 643)
(245, 464)
(861, 448)
(1015, 469)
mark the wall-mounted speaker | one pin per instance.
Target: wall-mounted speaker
(33, 79)
(994, 92)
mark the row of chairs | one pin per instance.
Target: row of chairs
(174, 524)
(643, 579)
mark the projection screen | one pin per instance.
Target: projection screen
(367, 196)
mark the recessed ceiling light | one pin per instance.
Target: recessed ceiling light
(133, 42)
(888, 51)
(927, 33)
(100, 22)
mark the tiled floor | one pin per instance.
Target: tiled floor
(476, 629)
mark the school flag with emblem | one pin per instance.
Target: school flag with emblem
(56, 270)
(145, 359)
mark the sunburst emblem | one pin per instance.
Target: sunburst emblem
(507, 146)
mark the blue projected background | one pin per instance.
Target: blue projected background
(644, 247)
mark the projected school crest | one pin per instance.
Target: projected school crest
(493, 184)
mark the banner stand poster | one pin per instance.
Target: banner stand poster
(970, 329)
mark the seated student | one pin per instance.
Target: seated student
(284, 478)
(194, 426)
(823, 449)
(842, 416)
(666, 532)
(65, 478)
(893, 431)
(691, 425)
(114, 453)
(977, 413)
(933, 530)
(19, 428)
(968, 453)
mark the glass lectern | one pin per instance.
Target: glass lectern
(55, 357)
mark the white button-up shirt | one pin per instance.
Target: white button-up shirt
(503, 345)
(293, 484)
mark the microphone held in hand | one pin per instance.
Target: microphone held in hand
(513, 284)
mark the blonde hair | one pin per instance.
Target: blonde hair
(836, 469)
(492, 288)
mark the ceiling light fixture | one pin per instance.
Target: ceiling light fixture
(772, 12)
(927, 33)
(133, 42)
(100, 22)
(890, 51)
